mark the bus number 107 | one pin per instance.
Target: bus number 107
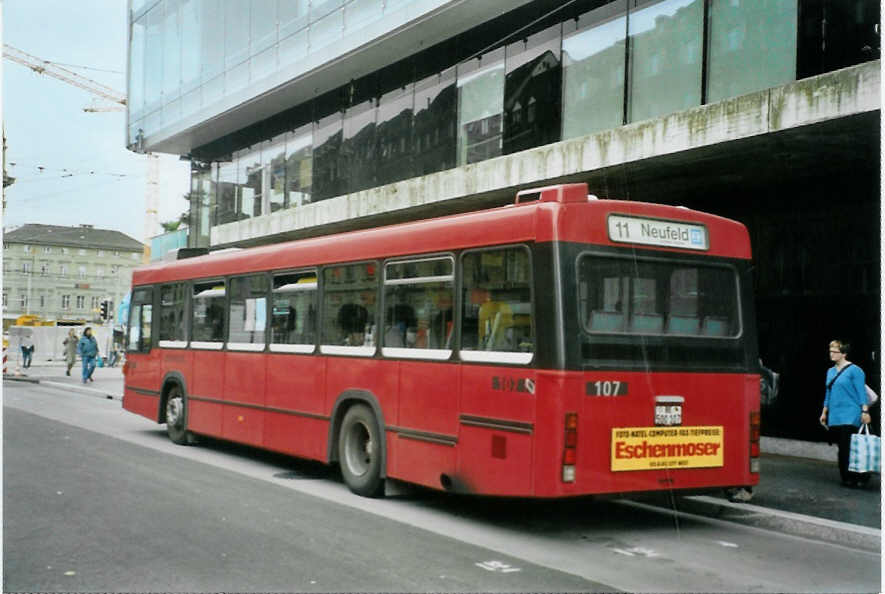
(607, 388)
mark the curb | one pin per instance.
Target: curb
(831, 531)
(21, 378)
(108, 395)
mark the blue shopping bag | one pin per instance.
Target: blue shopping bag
(865, 454)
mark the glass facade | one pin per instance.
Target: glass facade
(623, 61)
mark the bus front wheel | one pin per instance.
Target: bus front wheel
(359, 451)
(176, 416)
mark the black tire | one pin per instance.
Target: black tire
(359, 451)
(176, 416)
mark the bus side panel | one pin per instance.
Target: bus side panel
(206, 389)
(375, 376)
(244, 383)
(177, 360)
(497, 430)
(711, 401)
(425, 447)
(143, 373)
(296, 423)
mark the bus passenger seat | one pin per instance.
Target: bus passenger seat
(690, 325)
(606, 321)
(714, 326)
(647, 323)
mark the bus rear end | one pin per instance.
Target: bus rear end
(662, 385)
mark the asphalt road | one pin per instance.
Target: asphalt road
(96, 499)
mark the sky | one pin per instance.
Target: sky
(72, 167)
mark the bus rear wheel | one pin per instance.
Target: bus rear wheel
(359, 451)
(176, 416)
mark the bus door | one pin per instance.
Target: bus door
(497, 409)
(245, 361)
(418, 330)
(142, 367)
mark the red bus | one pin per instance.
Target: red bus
(559, 346)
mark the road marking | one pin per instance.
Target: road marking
(497, 566)
(725, 543)
(637, 551)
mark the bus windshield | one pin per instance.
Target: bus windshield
(658, 310)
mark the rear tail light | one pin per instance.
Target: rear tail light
(755, 436)
(570, 450)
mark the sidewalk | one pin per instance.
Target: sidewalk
(799, 490)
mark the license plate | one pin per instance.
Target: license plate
(668, 414)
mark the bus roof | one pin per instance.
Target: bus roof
(538, 221)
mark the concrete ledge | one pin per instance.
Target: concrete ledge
(799, 449)
(841, 533)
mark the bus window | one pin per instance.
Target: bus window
(418, 298)
(656, 297)
(172, 329)
(349, 309)
(294, 312)
(208, 311)
(248, 313)
(140, 321)
(497, 317)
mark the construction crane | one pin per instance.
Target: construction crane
(117, 103)
(54, 70)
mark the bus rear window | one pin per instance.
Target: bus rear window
(657, 297)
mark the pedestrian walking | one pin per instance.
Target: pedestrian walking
(70, 346)
(845, 407)
(87, 347)
(27, 346)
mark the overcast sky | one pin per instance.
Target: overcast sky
(87, 175)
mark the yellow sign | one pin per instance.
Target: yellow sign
(655, 448)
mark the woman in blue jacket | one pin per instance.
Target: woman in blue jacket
(88, 350)
(845, 407)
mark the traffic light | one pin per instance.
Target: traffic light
(104, 309)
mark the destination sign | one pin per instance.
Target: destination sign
(656, 232)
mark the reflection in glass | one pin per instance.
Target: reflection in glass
(436, 106)
(358, 151)
(250, 177)
(263, 24)
(752, 46)
(394, 135)
(326, 30)
(236, 32)
(294, 313)
(327, 180)
(153, 64)
(136, 70)
(480, 107)
(299, 166)
(172, 51)
(593, 72)
(358, 13)
(226, 211)
(274, 158)
(532, 91)
(191, 40)
(292, 15)
(665, 68)
(212, 44)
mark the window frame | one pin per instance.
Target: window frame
(354, 351)
(188, 290)
(247, 347)
(413, 352)
(207, 345)
(502, 357)
(297, 348)
(697, 262)
(136, 304)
